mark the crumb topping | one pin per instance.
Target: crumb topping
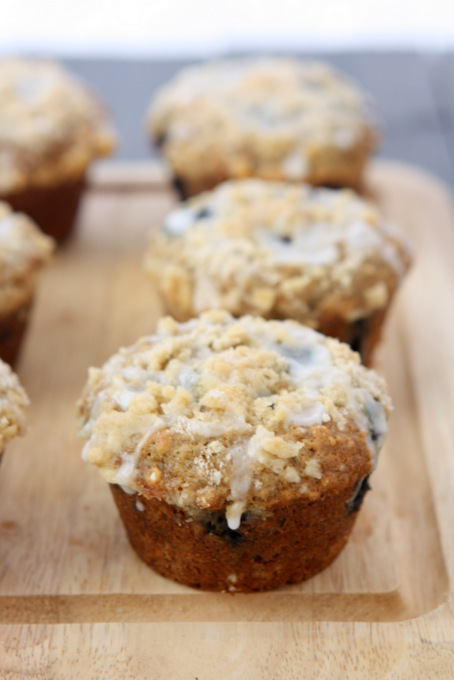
(260, 116)
(51, 127)
(13, 401)
(224, 413)
(24, 250)
(278, 250)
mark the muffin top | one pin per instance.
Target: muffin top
(13, 401)
(233, 414)
(51, 126)
(24, 250)
(278, 250)
(266, 115)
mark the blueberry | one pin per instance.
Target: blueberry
(377, 422)
(203, 214)
(374, 435)
(217, 525)
(361, 488)
(359, 332)
(161, 139)
(180, 187)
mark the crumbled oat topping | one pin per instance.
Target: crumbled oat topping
(24, 250)
(271, 117)
(221, 413)
(51, 127)
(13, 401)
(277, 250)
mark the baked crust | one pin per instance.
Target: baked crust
(51, 126)
(13, 401)
(221, 413)
(24, 251)
(324, 258)
(279, 119)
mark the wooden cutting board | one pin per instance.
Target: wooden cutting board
(76, 602)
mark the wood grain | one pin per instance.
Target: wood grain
(75, 601)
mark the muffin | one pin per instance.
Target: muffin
(24, 250)
(13, 401)
(279, 119)
(51, 129)
(237, 450)
(322, 257)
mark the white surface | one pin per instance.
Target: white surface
(207, 27)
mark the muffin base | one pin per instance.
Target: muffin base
(363, 335)
(347, 180)
(12, 330)
(289, 544)
(53, 208)
(331, 167)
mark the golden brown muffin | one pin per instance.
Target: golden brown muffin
(279, 119)
(238, 450)
(322, 257)
(24, 251)
(51, 129)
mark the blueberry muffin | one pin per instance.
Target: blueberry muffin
(51, 129)
(24, 251)
(237, 450)
(322, 257)
(279, 119)
(13, 402)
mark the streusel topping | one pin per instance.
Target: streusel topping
(223, 413)
(259, 115)
(279, 250)
(24, 250)
(13, 402)
(51, 126)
